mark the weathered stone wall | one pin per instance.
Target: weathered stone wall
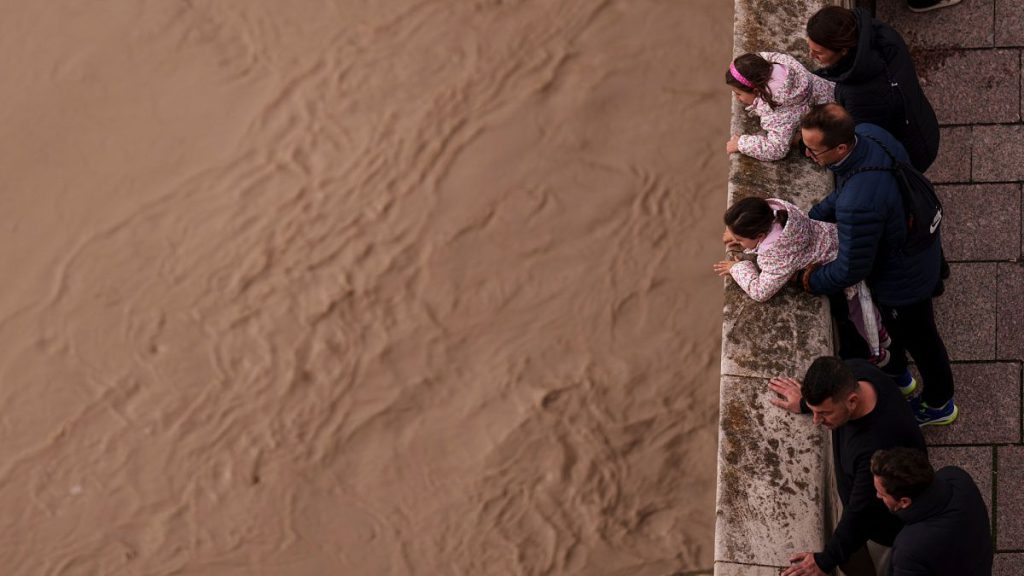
(772, 467)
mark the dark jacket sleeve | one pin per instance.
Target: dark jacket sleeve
(852, 531)
(824, 211)
(860, 227)
(903, 564)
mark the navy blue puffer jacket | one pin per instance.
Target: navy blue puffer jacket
(868, 209)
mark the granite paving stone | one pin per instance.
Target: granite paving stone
(1010, 498)
(976, 460)
(996, 153)
(1010, 321)
(1009, 26)
(983, 420)
(967, 25)
(977, 86)
(966, 313)
(981, 221)
(953, 163)
(1011, 564)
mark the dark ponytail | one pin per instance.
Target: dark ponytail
(751, 217)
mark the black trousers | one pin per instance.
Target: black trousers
(912, 329)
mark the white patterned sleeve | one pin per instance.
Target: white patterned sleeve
(759, 286)
(779, 127)
(822, 91)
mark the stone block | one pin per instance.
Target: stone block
(1010, 498)
(1011, 564)
(794, 179)
(1009, 27)
(967, 25)
(976, 460)
(966, 313)
(730, 569)
(780, 337)
(988, 396)
(954, 161)
(978, 86)
(1010, 298)
(996, 153)
(981, 221)
(771, 466)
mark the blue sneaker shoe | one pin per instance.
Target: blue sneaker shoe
(907, 384)
(944, 416)
(910, 390)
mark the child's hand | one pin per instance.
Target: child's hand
(733, 145)
(723, 267)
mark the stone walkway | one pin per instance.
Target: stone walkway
(970, 59)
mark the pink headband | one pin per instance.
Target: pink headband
(739, 77)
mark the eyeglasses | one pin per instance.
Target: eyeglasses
(805, 150)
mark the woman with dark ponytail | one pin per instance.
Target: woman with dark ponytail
(875, 77)
(786, 242)
(778, 89)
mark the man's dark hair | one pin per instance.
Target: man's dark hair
(833, 121)
(834, 27)
(828, 377)
(904, 472)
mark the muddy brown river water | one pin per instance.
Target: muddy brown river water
(360, 287)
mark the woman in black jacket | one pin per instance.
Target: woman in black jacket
(875, 78)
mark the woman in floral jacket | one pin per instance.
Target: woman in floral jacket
(778, 89)
(786, 241)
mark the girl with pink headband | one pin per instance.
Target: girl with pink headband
(779, 90)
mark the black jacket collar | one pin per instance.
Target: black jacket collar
(933, 501)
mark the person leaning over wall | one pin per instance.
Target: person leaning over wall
(946, 525)
(875, 77)
(868, 210)
(784, 241)
(779, 90)
(862, 407)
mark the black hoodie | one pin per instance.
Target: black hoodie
(877, 83)
(946, 531)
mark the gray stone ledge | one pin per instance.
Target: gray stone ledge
(772, 465)
(730, 569)
(771, 475)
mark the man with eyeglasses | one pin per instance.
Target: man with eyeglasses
(868, 209)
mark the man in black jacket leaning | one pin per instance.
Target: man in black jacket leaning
(866, 412)
(946, 526)
(867, 208)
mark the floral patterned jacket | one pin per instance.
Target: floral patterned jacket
(794, 96)
(802, 242)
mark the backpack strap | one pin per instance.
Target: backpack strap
(885, 148)
(892, 168)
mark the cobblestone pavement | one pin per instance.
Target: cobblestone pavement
(969, 58)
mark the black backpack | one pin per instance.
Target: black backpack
(921, 205)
